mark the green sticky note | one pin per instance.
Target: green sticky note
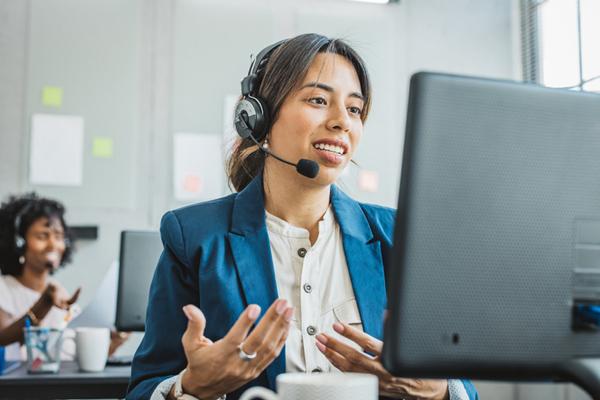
(103, 147)
(52, 96)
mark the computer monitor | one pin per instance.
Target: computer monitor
(497, 237)
(138, 257)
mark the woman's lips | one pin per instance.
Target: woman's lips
(328, 157)
(53, 257)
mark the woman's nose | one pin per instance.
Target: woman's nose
(338, 119)
(55, 242)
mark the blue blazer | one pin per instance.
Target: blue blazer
(217, 255)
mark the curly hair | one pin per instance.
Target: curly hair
(20, 212)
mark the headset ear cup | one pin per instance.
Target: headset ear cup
(19, 243)
(261, 125)
(244, 118)
(256, 121)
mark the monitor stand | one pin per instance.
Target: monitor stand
(584, 372)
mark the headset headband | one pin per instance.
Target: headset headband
(249, 82)
(19, 239)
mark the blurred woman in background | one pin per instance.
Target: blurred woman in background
(34, 242)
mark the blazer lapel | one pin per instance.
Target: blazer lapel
(254, 266)
(250, 246)
(364, 259)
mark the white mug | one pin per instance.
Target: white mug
(334, 386)
(92, 348)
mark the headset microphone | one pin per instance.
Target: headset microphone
(308, 168)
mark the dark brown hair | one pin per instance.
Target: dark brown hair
(284, 70)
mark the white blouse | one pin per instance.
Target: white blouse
(16, 299)
(315, 281)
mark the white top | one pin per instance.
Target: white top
(16, 299)
(315, 281)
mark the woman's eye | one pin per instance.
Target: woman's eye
(317, 100)
(355, 110)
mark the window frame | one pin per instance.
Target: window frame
(530, 45)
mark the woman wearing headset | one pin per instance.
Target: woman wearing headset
(34, 242)
(289, 254)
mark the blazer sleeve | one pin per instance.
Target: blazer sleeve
(174, 284)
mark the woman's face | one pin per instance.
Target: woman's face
(44, 244)
(321, 119)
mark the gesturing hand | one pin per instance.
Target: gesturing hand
(57, 296)
(347, 358)
(217, 368)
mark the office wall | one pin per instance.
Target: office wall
(462, 36)
(140, 70)
(13, 50)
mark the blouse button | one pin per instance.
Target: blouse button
(302, 252)
(317, 370)
(307, 287)
(311, 330)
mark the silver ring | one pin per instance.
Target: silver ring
(245, 356)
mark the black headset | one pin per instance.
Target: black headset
(19, 239)
(252, 117)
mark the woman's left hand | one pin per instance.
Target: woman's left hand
(348, 359)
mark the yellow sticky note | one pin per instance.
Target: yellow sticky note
(102, 147)
(52, 96)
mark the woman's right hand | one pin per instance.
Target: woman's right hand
(53, 295)
(215, 369)
(57, 296)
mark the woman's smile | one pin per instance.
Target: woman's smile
(53, 257)
(330, 151)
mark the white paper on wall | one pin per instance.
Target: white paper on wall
(197, 166)
(56, 150)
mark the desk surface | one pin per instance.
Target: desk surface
(69, 383)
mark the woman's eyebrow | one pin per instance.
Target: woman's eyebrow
(330, 89)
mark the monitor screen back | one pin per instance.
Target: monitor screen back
(140, 251)
(497, 232)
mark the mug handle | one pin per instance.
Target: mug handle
(62, 351)
(260, 393)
